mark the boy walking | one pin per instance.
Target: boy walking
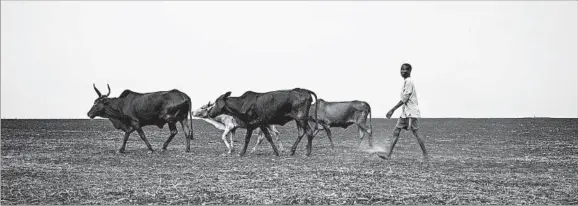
(410, 112)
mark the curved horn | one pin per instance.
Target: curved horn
(95, 89)
(108, 89)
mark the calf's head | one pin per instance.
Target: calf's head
(219, 107)
(203, 112)
(99, 104)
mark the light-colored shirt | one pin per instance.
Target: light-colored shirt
(410, 107)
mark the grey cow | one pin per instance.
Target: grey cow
(343, 114)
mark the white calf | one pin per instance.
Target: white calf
(229, 125)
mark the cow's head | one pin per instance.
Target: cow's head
(203, 112)
(219, 106)
(99, 104)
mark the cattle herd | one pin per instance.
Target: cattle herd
(255, 112)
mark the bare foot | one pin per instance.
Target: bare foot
(382, 157)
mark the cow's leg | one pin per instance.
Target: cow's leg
(328, 131)
(247, 140)
(125, 139)
(316, 131)
(309, 139)
(174, 131)
(365, 130)
(188, 133)
(142, 136)
(267, 134)
(361, 135)
(300, 126)
(260, 137)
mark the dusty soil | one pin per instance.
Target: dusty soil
(472, 161)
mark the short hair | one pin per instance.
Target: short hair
(407, 65)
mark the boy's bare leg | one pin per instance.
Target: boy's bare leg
(420, 141)
(395, 138)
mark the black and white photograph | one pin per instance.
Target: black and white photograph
(289, 102)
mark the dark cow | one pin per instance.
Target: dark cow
(259, 110)
(343, 114)
(131, 111)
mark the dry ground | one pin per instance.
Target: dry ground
(473, 161)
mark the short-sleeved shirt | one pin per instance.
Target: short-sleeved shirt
(410, 107)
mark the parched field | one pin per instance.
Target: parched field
(472, 161)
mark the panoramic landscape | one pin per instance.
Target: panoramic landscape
(489, 87)
(472, 161)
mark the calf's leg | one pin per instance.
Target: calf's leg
(224, 138)
(260, 137)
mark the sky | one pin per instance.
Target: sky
(471, 59)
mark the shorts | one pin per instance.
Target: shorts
(403, 123)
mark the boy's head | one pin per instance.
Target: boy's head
(405, 70)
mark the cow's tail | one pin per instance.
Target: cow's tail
(370, 124)
(316, 107)
(191, 119)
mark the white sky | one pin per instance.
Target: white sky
(470, 58)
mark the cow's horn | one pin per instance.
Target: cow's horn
(108, 89)
(95, 89)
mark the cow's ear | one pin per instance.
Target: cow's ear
(227, 95)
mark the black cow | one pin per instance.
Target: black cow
(259, 110)
(343, 114)
(131, 111)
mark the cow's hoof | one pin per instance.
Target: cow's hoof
(150, 152)
(163, 150)
(120, 151)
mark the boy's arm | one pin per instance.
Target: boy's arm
(388, 115)
(408, 88)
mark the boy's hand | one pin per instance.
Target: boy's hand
(388, 115)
